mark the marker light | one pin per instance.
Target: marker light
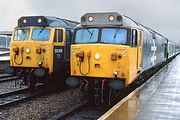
(28, 50)
(39, 20)
(24, 21)
(115, 72)
(40, 63)
(90, 18)
(111, 18)
(97, 56)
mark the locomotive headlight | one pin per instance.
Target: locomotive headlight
(111, 18)
(97, 56)
(90, 18)
(24, 21)
(39, 20)
(28, 50)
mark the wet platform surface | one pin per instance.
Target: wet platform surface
(159, 99)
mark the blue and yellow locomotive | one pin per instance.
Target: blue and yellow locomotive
(110, 51)
(40, 49)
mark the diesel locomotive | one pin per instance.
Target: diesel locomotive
(110, 51)
(40, 49)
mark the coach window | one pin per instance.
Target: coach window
(58, 35)
(134, 38)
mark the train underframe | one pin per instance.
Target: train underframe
(102, 90)
(33, 77)
(30, 76)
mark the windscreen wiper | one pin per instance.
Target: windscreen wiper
(115, 34)
(41, 30)
(22, 30)
(91, 33)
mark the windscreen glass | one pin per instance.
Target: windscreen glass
(41, 34)
(88, 35)
(114, 35)
(21, 34)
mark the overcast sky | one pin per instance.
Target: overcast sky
(162, 16)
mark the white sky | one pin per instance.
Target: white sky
(162, 16)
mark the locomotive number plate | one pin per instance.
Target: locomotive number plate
(58, 50)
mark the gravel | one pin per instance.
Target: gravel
(42, 107)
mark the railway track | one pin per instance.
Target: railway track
(4, 75)
(19, 95)
(7, 78)
(82, 111)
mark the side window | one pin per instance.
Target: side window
(58, 35)
(139, 39)
(134, 38)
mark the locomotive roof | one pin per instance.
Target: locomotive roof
(112, 19)
(107, 19)
(45, 21)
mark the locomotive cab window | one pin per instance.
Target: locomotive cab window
(58, 35)
(88, 35)
(114, 35)
(21, 34)
(108, 35)
(134, 40)
(41, 34)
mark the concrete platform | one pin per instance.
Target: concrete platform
(159, 99)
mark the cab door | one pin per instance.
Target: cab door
(67, 44)
(139, 50)
(137, 43)
(58, 50)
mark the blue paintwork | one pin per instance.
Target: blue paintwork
(153, 50)
(46, 21)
